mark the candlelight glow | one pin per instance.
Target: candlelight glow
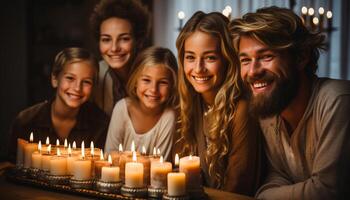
(69, 150)
(120, 147)
(321, 10)
(154, 151)
(74, 145)
(143, 150)
(304, 10)
(315, 20)
(161, 159)
(82, 149)
(92, 148)
(31, 137)
(47, 141)
(227, 11)
(39, 146)
(133, 146)
(329, 14)
(190, 157)
(101, 155)
(58, 152)
(65, 143)
(57, 142)
(134, 158)
(109, 159)
(49, 149)
(181, 15)
(311, 11)
(177, 160)
(158, 152)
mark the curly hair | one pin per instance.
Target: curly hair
(130, 10)
(151, 57)
(225, 103)
(280, 29)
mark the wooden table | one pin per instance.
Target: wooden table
(10, 190)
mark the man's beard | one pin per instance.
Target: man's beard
(268, 104)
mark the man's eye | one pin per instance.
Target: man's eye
(244, 61)
(267, 57)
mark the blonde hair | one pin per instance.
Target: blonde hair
(148, 58)
(191, 103)
(280, 29)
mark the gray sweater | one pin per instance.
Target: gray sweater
(303, 165)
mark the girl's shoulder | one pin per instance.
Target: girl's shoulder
(36, 112)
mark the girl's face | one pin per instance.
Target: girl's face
(203, 64)
(74, 84)
(116, 42)
(153, 86)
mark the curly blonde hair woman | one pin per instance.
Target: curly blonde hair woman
(214, 121)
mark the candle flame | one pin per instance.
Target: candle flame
(101, 155)
(321, 10)
(177, 159)
(315, 20)
(74, 145)
(329, 14)
(134, 158)
(82, 149)
(161, 159)
(154, 151)
(69, 150)
(58, 151)
(39, 146)
(120, 147)
(304, 10)
(190, 157)
(31, 137)
(133, 146)
(92, 148)
(109, 159)
(311, 11)
(49, 149)
(181, 15)
(47, 140)
(65, 143)
(143, 150)
(158, 152)
(57, 142)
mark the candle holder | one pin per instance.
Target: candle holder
(80, 184)
(20, 171)
(43, 175)
(108, 187)
(58, 179)
(34, 173)
(156, 192)
(134, 192)
(167, 197)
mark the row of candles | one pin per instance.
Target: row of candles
(317, 23)
(135, 170)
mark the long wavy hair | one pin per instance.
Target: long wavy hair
(225, 103)
(281, 29)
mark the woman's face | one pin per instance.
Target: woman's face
(116, 42)
(203, 64)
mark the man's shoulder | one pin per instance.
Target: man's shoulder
(33, 112)
(333, 88)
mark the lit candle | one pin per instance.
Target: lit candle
(29, 148)
(159, 171)
(45, 159)
(57, 143)
(329, 16)
(181, 16)
(146, 162)
(134, 173)
(190, 165)
(304, 14)
(311, 13)
(44, 147)
(98, 164)
(58, 164)
(143, 152)
(116, 155)
(36, 157)
(70, 160)
(20, 152)
(110, 173)
(321, 14)
(176, 184)
(82, 167)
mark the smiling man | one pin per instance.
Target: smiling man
(303, 117)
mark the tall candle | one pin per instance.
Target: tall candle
(134, 173)
(29, 148)
(190, 165)
(36, 157)
(58, 164)
(70, 160)
(124, 158)
(20, 152)
(176, 184)
(98, 164)
(110, 173)
(82, 167)
(45, 159)
(159, 171)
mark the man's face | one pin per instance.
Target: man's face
(270, 77)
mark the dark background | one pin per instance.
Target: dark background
(32, 33)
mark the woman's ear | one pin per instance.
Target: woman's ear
(54, 81)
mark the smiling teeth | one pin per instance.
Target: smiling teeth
(201, 78)
(259, 85)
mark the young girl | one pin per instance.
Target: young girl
(214, 120)
(68, 115)
(147, 116)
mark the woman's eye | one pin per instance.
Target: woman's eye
(105, 40)
(70, 78)
(145, 80)
(126, 39)
(189, 58)
(211, 58)
(165, 82)
(87, 82)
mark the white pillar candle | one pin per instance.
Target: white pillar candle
(58, 164)
(159, 172)
(45, 159)
(82, 167)
(176, 184)
(98, 164)
(110, 173)
(70, 160)
(134, 173)
(20, 152)
(36, 157)
(28, 150)
(190, 165)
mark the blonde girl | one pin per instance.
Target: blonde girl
(147, 116)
